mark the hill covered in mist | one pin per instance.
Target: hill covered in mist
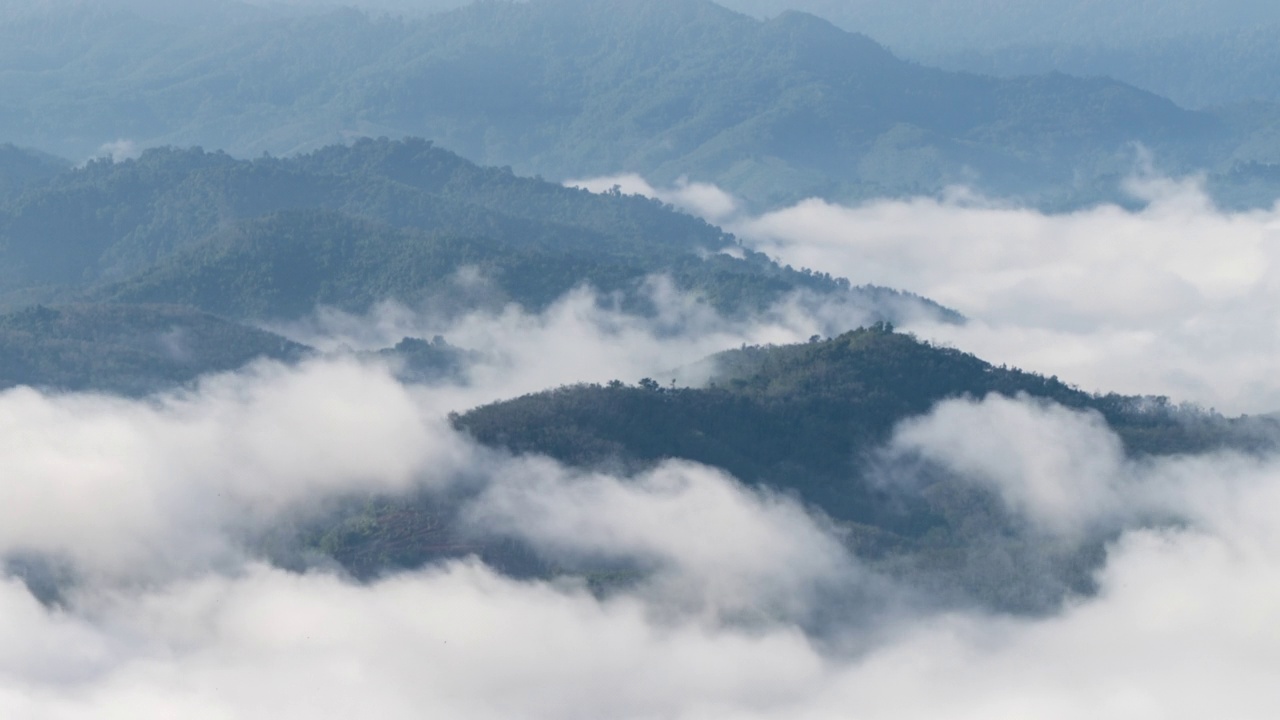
(803, 417)
(362, 428)
(126, 349)
(822, 422)
(774, 110)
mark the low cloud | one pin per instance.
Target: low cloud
(1181, 626)
(1061, 468)
(124, 487)
(1172, 299)
(583, 338)
(718, 599)
(712, 545)
(171, 613)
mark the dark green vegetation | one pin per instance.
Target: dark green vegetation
(128, 349)
(803, 416)
(350, 226)
(811, 419)
(773, 110)
(425, 361)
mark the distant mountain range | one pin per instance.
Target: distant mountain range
(920, 26)
(773, 110)
(1199, 54)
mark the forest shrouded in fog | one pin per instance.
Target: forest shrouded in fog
(635, 359)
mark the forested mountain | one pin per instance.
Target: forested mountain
(129, 349)
(138, 350)
(350, 226)
(802, 416)
(809, 420)
(128, 243)
(774, 110)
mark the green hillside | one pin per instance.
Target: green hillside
(350, 226)
(805, 420)
(128, 349)
(802, 417)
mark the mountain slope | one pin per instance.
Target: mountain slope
(802, 417)
(21, 167)
(128, 349)
(351, 226)
(774, 110)
(808, 421)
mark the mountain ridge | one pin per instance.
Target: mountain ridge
(773, 110)
(142, 230)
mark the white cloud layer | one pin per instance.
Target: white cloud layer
(122, 486)
(1059, 467)
(579, 338)
(165, 610)
(715, 548)
(1174, 299)
(1182, 627)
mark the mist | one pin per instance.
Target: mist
(1171, 299)
(170, 612)
(188, 553)
(583, 337)
(735, 601)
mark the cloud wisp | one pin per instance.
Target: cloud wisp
(702, 199)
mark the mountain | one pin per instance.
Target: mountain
(126, 349)
(919, 27)
(803, 416)
(1208, 71)
(351, 226)
(807, 421)
(1211, 56)
(774, 110)
(21, 167)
